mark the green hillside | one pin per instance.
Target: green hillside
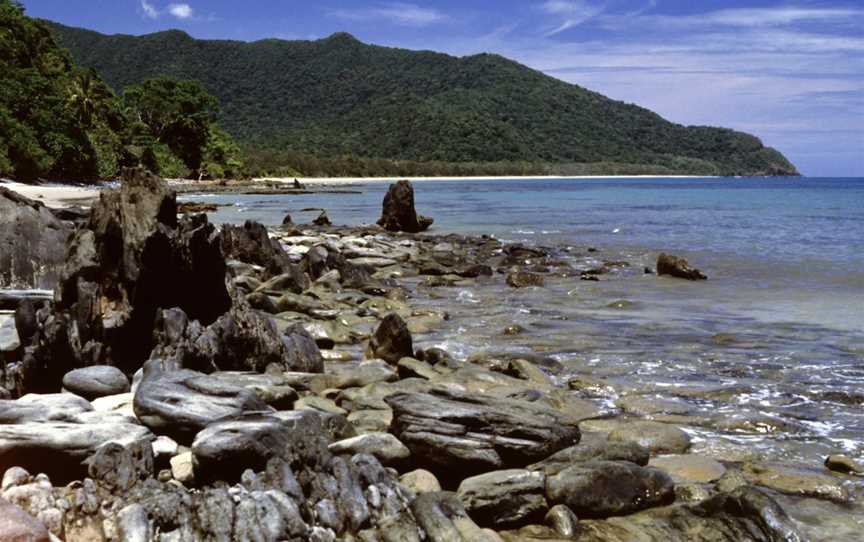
(338, 96)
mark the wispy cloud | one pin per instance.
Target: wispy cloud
(148, 10)
(181, 11)
(398, 13)
(571, 12)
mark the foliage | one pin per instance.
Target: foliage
(338, 97)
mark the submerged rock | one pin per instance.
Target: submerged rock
(677, 267)
(398, 213)
(524, 279)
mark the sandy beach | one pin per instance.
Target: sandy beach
(55, 195)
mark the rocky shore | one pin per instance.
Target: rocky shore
(188, 382)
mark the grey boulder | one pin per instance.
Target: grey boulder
(96, 381)
(505, 498)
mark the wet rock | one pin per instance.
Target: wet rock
(96, 381)
(657, 438)
(34, 408)
(59, 449)
(287, 220)
(392, 340)
(689, 468)
(609, 488)
(16, 525)
(593, 451)
(398, 213)
(322, 220)
(524, 279)
(384, 446)
(562, 520)
(798, 481)
(677, 267)
(251, 243)
(505, 498)
(842, 463)
(32, 240)
(455, 433)
(443, 518)
(420, 481)
(182, 402)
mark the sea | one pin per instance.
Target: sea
(769, 350)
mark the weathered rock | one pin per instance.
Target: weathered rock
(842, 463)
(183, 468)
(504, 498)
(291, 281)
(455, 433)
(609, 488)
(689, 468)
(602, 451)
(33, 408)
(120, 467)
(657, 438)
(443, 518)
(322, 219)
(677, 267)
(562, 520)
(524, 279)
(251, 243)
(16, 525)
(58, 449)
(398, 213)
(392, 340)
(133, 525)
(181, 403)
(10, 341)
(420, 481)
(96, 381)
(384, 446)
(798, 481)
(32, 242)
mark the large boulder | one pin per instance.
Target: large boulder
(133, 259)
(32, 242)
(180, 403)
(251, 243)
(96, 381)
(504, 498)
(392, 340)
(458, 434)
(398, 213)
(16, 525)
(52, 407)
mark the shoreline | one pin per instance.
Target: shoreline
(55, 195)
(363, 180)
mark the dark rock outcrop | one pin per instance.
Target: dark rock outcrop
(32, 241)
(505, 498)
(392, 340)
(457, 434)
(250, 243)
(524, 279)
(398, 213)
(677, 267)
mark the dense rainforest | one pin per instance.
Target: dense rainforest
(328, 107)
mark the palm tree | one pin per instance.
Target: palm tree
(88, 97)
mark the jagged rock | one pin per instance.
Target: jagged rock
(33, 408)
(250, 243)
(293, 281)
(456, 433)
(524, 279)
(392, 340)
(398, 213)
(609, 488)
(287, 220)
(16, 525)
(322, 219)
(180, 403)
(58, 449)
(120, 467)
(677, 267)
(504, 498)
(656, 437)
(32, 242)
(96, 381)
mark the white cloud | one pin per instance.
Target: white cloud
(181, 11)
(399, 13)
(148, 10)
(573, 12)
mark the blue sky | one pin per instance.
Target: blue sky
(790, 73)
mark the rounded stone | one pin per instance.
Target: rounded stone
(656, 437)
(96, 381)
(690, 468)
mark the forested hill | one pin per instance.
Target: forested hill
(338, 96)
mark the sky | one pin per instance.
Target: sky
(791, 73)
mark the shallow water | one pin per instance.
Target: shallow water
(765, 358)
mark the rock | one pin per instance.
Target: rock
(443, 518)
(14, 476)
(96, 381)
(411, 368)
(524, 279)
(609, 488)
(181, 403)
(384, 446)
(562, 520)
(588, 451)
(504, 498)
(392, 340)
(454, 433)
(398, 213)
(842, 463)
(322, 219)
(797, 481)
(59, 449)
(120, 467)
(251, 243)
(164, 448)
(689, 468)
(183, 469)
(16, 525)
(677, 267)
(33, 408)
(293, 281)
(657, 438)
(420, 481)
(287, 220)
(133, 525)
(313, 402)
(10, 342)
(32, 242)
